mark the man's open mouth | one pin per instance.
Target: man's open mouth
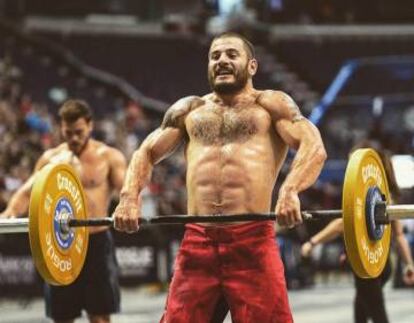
(224, 72)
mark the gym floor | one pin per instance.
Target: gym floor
(326, 302)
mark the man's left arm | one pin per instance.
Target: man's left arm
(300, 134)
(405, 252)
(118, 166)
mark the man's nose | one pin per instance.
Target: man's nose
(223, 61)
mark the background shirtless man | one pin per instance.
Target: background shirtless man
(236, 140)
(101, 169)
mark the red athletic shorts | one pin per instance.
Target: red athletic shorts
(240, 262)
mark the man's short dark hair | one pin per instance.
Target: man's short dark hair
(248, 46)
(73, 110)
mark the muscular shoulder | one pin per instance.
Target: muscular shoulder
(279, 105)
(110, 154)
(115, 155)
(53, 154)
(208, 97)
(175, 115)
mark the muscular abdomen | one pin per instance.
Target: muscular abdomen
(98, 194)
(233, 177)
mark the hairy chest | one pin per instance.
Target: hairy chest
(215, 126)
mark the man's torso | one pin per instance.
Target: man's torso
(234, 156)
(93, 169)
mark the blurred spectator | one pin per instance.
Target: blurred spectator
(27, 128)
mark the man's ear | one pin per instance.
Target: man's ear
(252, 66)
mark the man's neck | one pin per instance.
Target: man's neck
(236, 98)
(83, 149)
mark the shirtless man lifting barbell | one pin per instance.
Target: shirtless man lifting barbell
(101, 170)
(236, 140)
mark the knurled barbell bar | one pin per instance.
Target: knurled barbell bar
(381, 216)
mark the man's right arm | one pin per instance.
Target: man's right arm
(404, 249)
(333, 230)
(19, 202)
(157, 146)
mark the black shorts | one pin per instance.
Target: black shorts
(96, 289)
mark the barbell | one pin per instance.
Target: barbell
(58, 224)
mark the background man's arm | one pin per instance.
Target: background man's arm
(19, 202)
(157, 146)
(333, 230)
(405, 252)
(118, 166)
(301, 135)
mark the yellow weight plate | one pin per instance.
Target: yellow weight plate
(367, 257)
(58, 255)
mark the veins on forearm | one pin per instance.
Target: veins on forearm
(137, 176)
(304, 170)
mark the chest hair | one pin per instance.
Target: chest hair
(224, 127)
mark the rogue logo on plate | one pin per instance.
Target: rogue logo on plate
(58, 251)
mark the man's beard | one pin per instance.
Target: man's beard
(229, 88)
(79, 148)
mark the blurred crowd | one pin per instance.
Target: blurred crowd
(314, 12)
(25, 131)
(27, 128)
